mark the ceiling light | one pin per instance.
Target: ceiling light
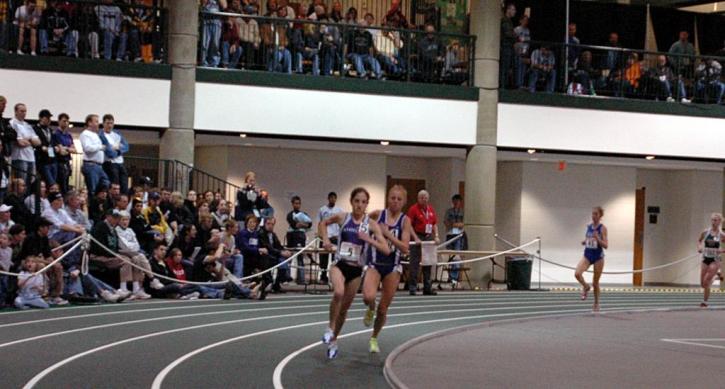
(649, 157)
(531, 151)
(384, 142)
(242, 135)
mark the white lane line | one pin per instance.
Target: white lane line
(697, 342)
(103, 305)
(277, 375)
(164, 372)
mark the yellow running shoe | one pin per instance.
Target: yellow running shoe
(369, 316)
(374, 345)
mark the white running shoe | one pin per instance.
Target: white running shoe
(141, 295)
(123, 294)
(670, 99)
(109, 297)
(332, 350)
(190, 296)
(685, 101)
(327, 336)
(156, 284)
(58, 301)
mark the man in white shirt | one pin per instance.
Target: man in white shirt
(333, 230)
(5, 221)
(115, 146)
(93, 155)
(23, 155)
(64, 228)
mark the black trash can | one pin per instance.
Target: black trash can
(518, 273)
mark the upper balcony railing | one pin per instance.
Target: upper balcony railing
(585, 70)
(324, 48)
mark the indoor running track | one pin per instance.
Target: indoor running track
(250, 344)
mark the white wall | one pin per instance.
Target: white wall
(334, 115)
(132, 101)
(530, 126)
(556, 206)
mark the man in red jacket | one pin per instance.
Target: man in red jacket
(424, 221)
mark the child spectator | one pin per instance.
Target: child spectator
(31, 286)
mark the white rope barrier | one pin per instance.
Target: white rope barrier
(494, 255)
(124, 259)
(442, 245)
(52, 263)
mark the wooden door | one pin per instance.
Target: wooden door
(638, 262)
(412, 186)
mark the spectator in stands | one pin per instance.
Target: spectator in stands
(455, 65)
(521, 50)
(395, 17)
(331, 42)
(682, 57)
(211, 32)
(333, 230)
(110, 18)
(387, 45)
(63, 148)
(138, 20)
(27, 20)
(276, 39)
(18, 212)
(190, 204)
(230, 41)
(204, 228)
(312, 43)
(30, 199)
(64, 228)
(454, 226)
(360, 52)
(114, 147)
(613, 59)
(180, 215)
(582, 76)
(113, 192)
(336, 14)
(129, 246)
(248, 199)
(233, 260)
(121, 203)
(573, 48)
(632, 74)
(187, 242)
(430, 55)
(708, 80)
(45, 151)
(165, 203)
(23, 157)
(215, 270)
(93, 157)
(55, 26)
(31, 287)
(4, 33)
(665, 78)
(155, 218)
(6, 263)
(255, 256)
(37, 246)
(508, 39)
(249, 37)
(170, 289)
(299, 223)
(425, 225)
(5, 221)
(276, 253)
(543, 65)
(221, 215)
(86, 32)
(146, 236)
(74, 210)
(17, 237)
(99, 204)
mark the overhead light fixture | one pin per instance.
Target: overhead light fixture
(242, 135)
(384, 142)
(649, 157)
(531, 151)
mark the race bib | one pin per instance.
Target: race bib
(253, 241)
(428, 228)
(350, 251)
(591, 243)
(709, 252)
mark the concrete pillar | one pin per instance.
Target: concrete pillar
(177, 143)
(480, 206)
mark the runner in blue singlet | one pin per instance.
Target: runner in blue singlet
(386, 268)
(358, 235)
(709, 244)
(595, 242)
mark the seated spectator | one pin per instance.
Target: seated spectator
(5, 221)
(211, 32)
(6, 263)
(37, 246)
(233, 259)
(312, 39)
(190, 204)
(275, 253)
(44, 204)
(74, 210)
(55, 26)
(155, 219)
(230, 42)
(110, 18)
(187, 243)
(120, 203)
(351, 16)
(146, 236)
(543, 65)
(249, 37)
(170, 289)
(129, 246)
(395, 17)
(249, 200)
(176, 266)
(708, 80)
(665, 78)
(180, 215)
(27, 20)
(99, 204)
(275, 36)
(267, 211)
(204, 229)
(360, 52)
(221, 215)
(86, 30)
(214, 270)
(632, 74)
(31, 286)
(166, 205)
(14, 199)
(17, 237)
(430, 55)
(105, 233)
(255, 256)
(455, 65)
(582, 76)
(64, 228)
(331, 43)
(388, 44)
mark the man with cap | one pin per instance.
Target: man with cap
(104, 232)
(99, 203)
(45, 151)
(22, 155)
(74, 210)
(5, 221)
(64, 228)
(93, 157)
(38, 245)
